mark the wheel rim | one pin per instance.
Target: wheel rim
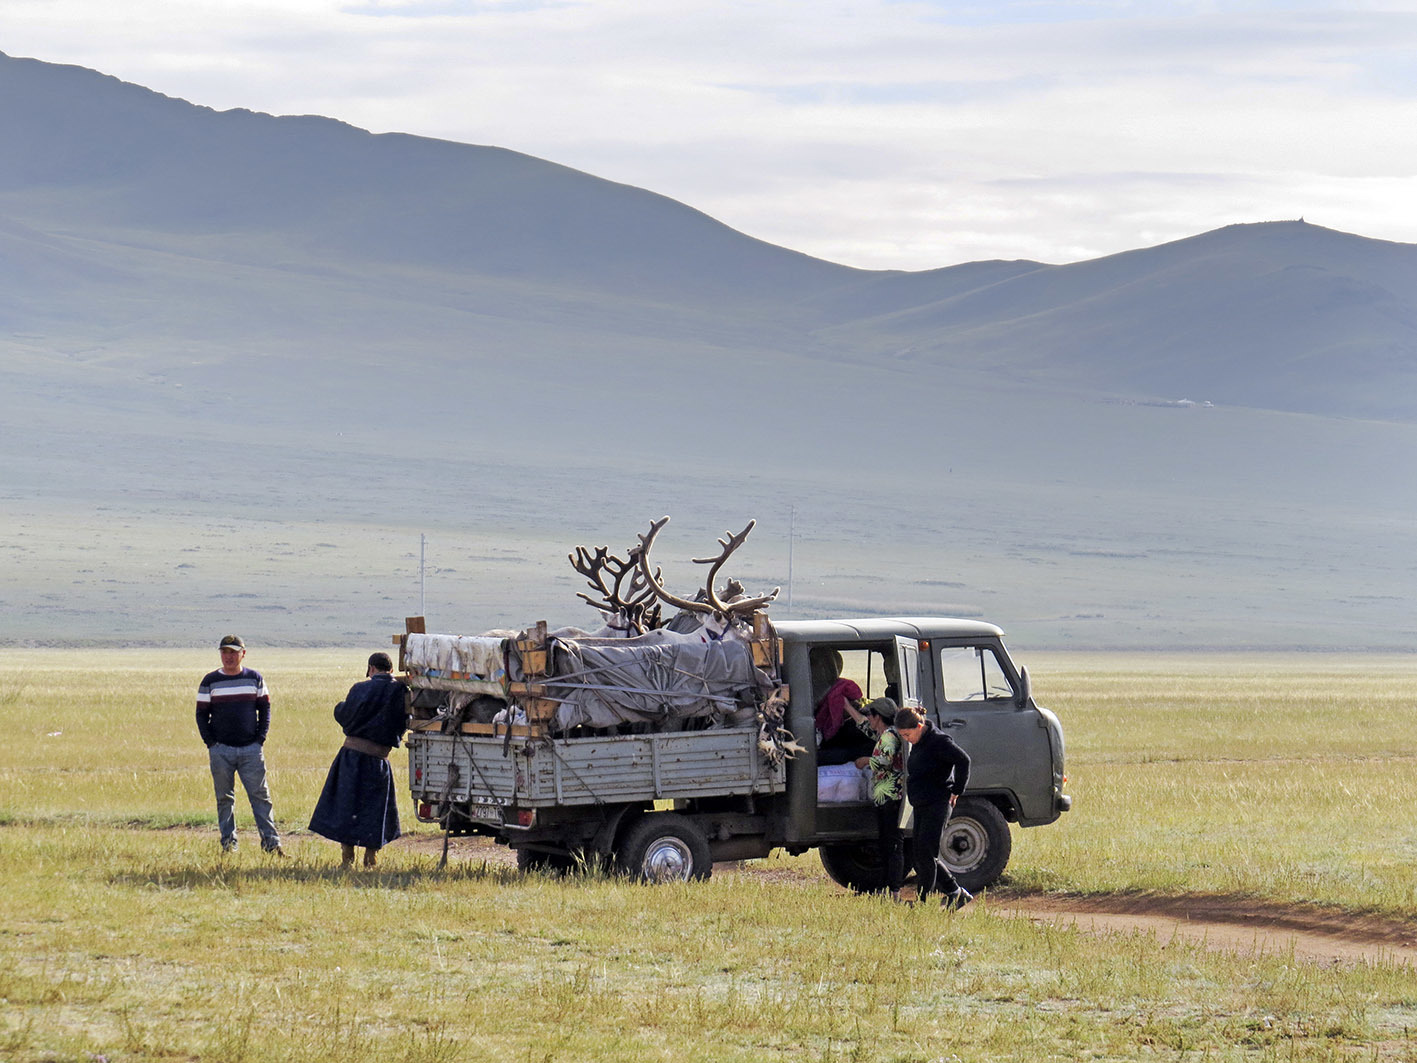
(667, 859)
(964, 845)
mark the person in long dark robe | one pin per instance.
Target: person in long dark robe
(359, 804)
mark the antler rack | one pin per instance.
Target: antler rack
(709, 601)
(633, 602)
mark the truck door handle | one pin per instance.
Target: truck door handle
(958, 721)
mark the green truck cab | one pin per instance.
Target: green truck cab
(969, 687)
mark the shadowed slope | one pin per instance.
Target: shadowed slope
(85, 149)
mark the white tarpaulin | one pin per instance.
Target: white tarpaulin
(460, 662)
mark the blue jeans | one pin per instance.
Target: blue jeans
(250, 763)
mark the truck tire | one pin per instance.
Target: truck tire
(855, 866)
(664, 847)
(976, 843)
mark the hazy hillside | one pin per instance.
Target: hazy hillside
(115, 182)
(249, 360)
(1281, 315)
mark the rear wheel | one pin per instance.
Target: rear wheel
(976, 843)
(665, 847)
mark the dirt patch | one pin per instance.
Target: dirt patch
(1234, 924)
(460, 848)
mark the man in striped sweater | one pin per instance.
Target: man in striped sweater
(233, 717)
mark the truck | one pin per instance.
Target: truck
(502, 743)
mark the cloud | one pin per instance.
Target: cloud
(903, 134)
(445, 8)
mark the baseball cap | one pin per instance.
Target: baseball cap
(231, 642)
(885, 708)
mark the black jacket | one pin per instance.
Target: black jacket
(375, 710)
(935, 769)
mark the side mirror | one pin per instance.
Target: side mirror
(1025, 688)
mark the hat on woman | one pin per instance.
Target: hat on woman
(885, 708)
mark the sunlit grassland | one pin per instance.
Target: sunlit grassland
(141, 945)
(1285, 777)
(1281, 778)
(111, 737)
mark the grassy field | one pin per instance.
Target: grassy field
(126, 935)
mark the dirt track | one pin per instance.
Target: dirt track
(1237, 924)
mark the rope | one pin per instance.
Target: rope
(577, 681)
(445, 808)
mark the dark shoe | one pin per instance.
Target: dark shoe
(229, 847)
(275, 850)
(958, 899)
(369, 858)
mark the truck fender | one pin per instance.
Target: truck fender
(610, 829)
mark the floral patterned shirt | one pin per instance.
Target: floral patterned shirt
(887, 764)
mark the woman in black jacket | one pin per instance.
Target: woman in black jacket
(936, 774)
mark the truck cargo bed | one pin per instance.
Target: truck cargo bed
(584, 771)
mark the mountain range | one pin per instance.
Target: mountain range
(250, 359)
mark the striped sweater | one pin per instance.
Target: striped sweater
(234, 710)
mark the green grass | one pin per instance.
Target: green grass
(110, 737)
(123, 941)
(1283, 777)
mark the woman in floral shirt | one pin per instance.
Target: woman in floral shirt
(887, 764)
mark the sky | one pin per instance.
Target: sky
(886, 134)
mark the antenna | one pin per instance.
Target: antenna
(422, 583)
(791, 534)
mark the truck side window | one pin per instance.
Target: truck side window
(972, 673)
(870, 669)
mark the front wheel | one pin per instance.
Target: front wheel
(665, 847)
(856, 866)
(976, 843)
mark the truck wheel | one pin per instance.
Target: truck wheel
(664, 847)
(976, 843)
(857, 867)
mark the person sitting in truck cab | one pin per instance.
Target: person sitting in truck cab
(837, 741)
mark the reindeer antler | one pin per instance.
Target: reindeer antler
(712, 603)
(632, 603)
(742, 605)
(640, 555)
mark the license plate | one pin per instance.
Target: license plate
(487, 813)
